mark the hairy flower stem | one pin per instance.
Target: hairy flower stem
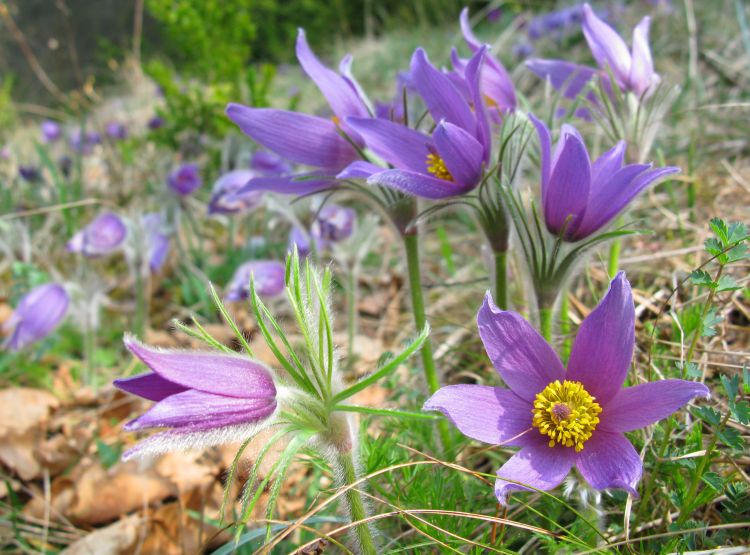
(501, 279)
(545, 323)
(356, 505)
(411, 243)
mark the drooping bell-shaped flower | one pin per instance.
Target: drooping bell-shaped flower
(103, 235)
(580, 197)
(268, 276)
(226, 196)
(632, 69)
(185, 179)
(334, 223)
(38, 313)
(201, 398)
(51, 131)
(563, 418)
(157, 238)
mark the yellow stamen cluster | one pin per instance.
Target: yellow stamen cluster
(567, 413)
(336, 121)
(436, 166)
(491, 103)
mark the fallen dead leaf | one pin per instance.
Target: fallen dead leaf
(115, 539)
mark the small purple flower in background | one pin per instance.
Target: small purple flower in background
(105, 234)
(580, 197)
(156, 122)
(185, 179)
(77, 142)
(334, 223)
(202, 398)
(269, 163)
(38, 313)
(522, 50)
(30, 174)
(93, 138)
(226, 197)
(561, 418)
(268, 275)
(51, 131)
(302, 240)
(157, 238)
(116, 130)
(494, 15)
(65, 163)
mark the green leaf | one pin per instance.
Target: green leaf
(709, 415)
(109, 455)
(702, 278)
(719, 227)
(731, 438)
(740, 411)
(727, 283)
(714, 481)
(388, 412)
(712, 319)
(731, 385)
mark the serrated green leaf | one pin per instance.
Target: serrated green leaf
(702, 278)
(726, 283)
(731, 385)
(720, 228)
(712, 319)
(731, 438)
(740, 411)
(714, 481)
(708, 414)
(737, 232)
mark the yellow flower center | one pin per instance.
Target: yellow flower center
(436, 166)
(567, 413)
(336, 121)
(490, 101)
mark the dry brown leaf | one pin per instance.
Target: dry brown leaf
(115, 539)
(186, 470)
(61, 496)
(56, 453)
(22, 409)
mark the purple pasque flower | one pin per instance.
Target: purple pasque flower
(633, 69)
(334, 223)
(38, 313)
(305, 139)
(51, 131)
(202, 398)
(269, 163)
(29, 173)
(299, 238)
(185, 179)
(268, 276)
(495, 83)
(563, 418)
(157, 240)
(580, 197)
(116, 130)
(227, 196)
(103, 235)
(447, 163)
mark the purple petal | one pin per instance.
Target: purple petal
(299, 184)
(359, 169)
(418, 184)
(537, 465)
(638, 406)
(642, 68)
(567, 193)
(443, 100)
(301, 138)
(38, 313)
(524, 360)
(397, 144)
(475, 69)
(218, 373)
(463, 154)
(608, 460)
(342, 98)
(101, 236)
(269, 163)
(226, 197)
(606, 45)
(150, 386)
(566, 77)
(610, 197)
(603, 349)
(489, 414)
(545, 146)
(607, 165)
(469, 37)
(269, 277)
(200, 410)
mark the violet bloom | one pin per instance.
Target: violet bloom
(305, 139)
(302, 240)
(51, 131)
(202, 398)
(30, 174)
(334, 223)
(157, 240)
(561, 418)
(156, 122)
(93, 138)
(38, 313)
(633, 69)
(116, 130)
(185, 179)
(580, 197)
(450, 162)
(227, 198)
(268, 276)
(105, 234)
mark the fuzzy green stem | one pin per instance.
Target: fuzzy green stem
(355, 504)
(351, 306)
(545, 323)
(411, 243)
(501, 279)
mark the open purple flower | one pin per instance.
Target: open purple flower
(227, 196)
(450, 162)
(268, 276)
(38, 313)
(185, 179)
(563, 418)
(51, 131)
(334, 223)
(305, 139)
(105, 234)
(202, 398)
(580, 197)
(157, 239)
(633, 69)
